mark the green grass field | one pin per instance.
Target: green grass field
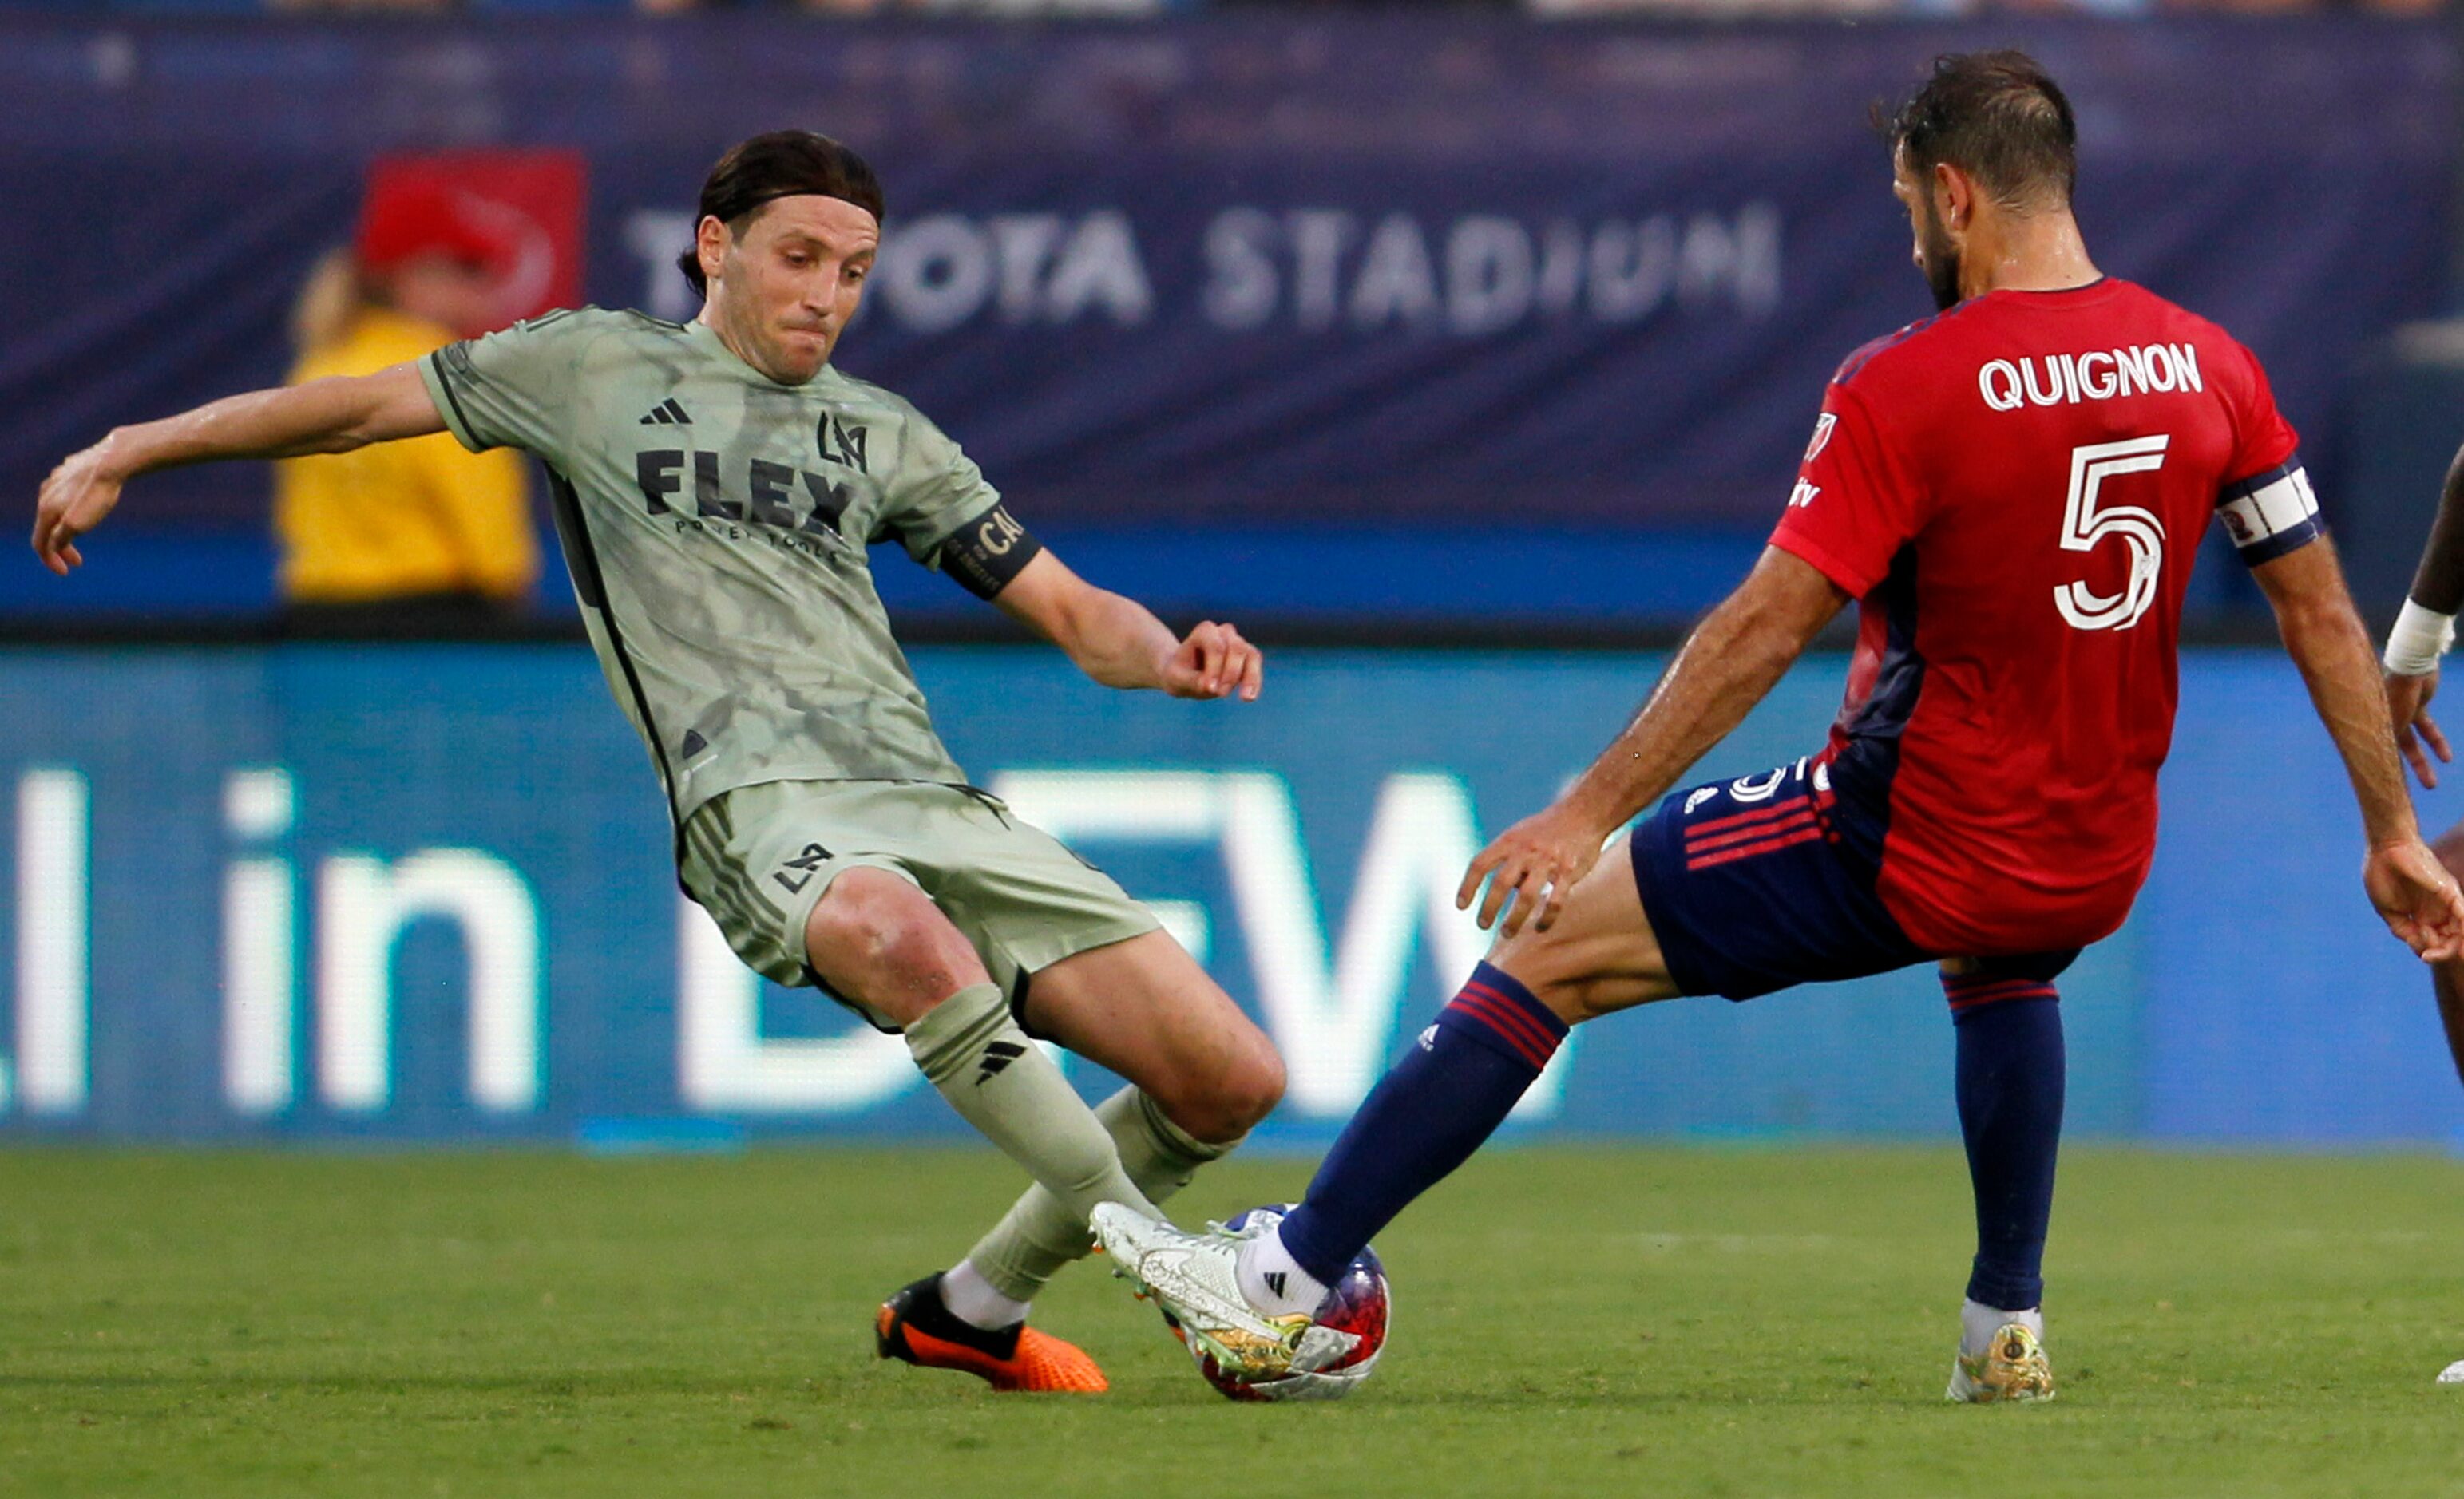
(1660, 1321)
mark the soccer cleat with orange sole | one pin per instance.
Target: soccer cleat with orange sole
(915, 1327)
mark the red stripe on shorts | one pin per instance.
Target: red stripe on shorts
(1730, 856)
(1802, 817)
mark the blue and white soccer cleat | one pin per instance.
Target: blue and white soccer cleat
(1192, 1277)
(2011, 1368)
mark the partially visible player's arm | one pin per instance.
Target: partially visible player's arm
(1120, 643)
(2425, 630)
(1731, 662)
(323, 416)
(2323, 634)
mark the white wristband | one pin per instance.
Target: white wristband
(2420, 637)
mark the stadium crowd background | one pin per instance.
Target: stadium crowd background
(1428, 343)
(1049, 9)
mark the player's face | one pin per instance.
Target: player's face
(789, 284)
(1936, 253)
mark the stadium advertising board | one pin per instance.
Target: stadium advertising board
(421, 894)
(1361, 271)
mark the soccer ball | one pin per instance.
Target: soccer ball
(1338, 1350)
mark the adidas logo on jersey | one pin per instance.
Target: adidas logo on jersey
(667, 413)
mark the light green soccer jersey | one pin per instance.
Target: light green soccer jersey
(714, 522)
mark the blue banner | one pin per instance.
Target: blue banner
(421, 894)
(1355, 270)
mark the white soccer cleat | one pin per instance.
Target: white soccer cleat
(2011, 1368)
(2452, 1374)
(1193, 1277)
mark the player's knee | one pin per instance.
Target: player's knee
(1226, 1101)
(886, 942)
(1552, 975)
(1252, 1087)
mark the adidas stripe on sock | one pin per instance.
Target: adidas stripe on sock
(1273, 1282)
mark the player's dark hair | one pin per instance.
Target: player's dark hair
(1998, 117)
(779, 164)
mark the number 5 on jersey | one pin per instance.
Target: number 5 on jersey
(2084, 525)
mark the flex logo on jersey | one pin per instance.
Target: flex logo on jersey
(741, 489)
(840, 444)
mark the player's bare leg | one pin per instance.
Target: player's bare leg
(1200, 1075)
(1599, 956)
(878, 939)
(1432, 1110)
(1145, 1009)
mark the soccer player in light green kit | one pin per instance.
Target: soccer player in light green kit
(716, 483)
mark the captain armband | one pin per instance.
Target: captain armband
(2420, 637)
(987, 552)
(2270, 513)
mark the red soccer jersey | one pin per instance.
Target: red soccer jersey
(2014, 492)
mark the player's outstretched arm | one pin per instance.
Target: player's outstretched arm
(323, 416)
(2413, 893)
(1120, 643)
(1730, 663)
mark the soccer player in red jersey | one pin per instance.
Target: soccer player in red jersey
(2013, 492)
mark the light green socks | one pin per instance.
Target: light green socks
(1000, 1081)
(1042, 1233)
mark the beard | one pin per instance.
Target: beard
(1941, 259)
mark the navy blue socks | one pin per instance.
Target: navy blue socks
(1425, 1117)
(2011, 1069)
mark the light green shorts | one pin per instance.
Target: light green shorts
(758, 858)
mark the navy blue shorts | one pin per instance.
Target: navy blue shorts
(1768, 880)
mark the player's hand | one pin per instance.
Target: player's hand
(74, 501)
(1532, 863)
(2408, 705)
(2417, 897)
(1214, 662)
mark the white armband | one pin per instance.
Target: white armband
(2269, 514)
(2420, 637)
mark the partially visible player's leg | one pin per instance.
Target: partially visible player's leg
(2447, 979)
(2447, 984)
(2010, 1082)
(1452, 1090)
(822, 882)
(1737, 889)
(877, 939)
(1201, 1075)
(1145, 1009)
